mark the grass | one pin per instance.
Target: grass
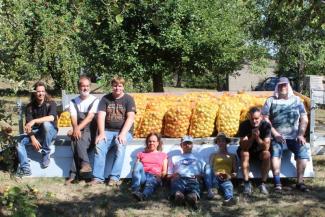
(56, 199)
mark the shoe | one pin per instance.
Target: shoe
(210, 194)
(229, 202)
(192, 200)
(85, 168)
(69, 181)
(179, 198)
(113, 182)
(278, 188)
(23, 172)
(263, 189)
(138, 195)
(94, 182)
(302, 187)
(247, 188)
(45, 161)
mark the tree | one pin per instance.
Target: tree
(296, 29)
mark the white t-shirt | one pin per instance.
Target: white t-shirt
(83, 105)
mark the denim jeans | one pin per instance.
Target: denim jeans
(45, 134)
(101, 150)
(186, 185)
(225, 186)
(139, 177)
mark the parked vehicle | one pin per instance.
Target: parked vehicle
(269, 84)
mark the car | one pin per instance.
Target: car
(269, 84)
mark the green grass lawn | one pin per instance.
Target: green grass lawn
(53, 198)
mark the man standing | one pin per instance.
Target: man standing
(255, 139)
(40, 128)
(185, 171)
(82, 109)
(289, 120)
(116, 113)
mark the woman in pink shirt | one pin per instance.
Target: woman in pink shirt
(149, 168)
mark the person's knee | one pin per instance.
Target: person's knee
(47, 126)
(138, 166)
(244, 155)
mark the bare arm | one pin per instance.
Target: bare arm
(30, 124)
(164, 169)
(303, 122)
(101, 126)
(278, 137)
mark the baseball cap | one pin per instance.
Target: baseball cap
(223, 136)
(187, 139)
(283, 80)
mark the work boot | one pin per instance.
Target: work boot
(192, 200)
(179, 198)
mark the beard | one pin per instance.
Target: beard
(84, 93)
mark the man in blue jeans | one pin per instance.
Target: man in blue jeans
(40, 129)
(289, 120)
(116, 113)
(186, 171)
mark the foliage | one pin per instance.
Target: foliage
(18, 202)
(296, 29)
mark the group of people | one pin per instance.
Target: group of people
(108, 123)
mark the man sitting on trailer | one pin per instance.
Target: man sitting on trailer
(289, 120)
(82, 109)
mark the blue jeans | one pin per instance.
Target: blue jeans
(139, 177)
(225, 186)
(185, 185)
(45, 134)
(100, 156)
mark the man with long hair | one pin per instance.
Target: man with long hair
(40, 128)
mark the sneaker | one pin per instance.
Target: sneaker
(192, 200)
(179, 198)
(23, 172)
(302, 187)
(229, 202)
(85, 168)
(210, 195)
(113, 182)
(247, 188)
(45, 161)
(278, 188)
(263, 189)
(138, 195)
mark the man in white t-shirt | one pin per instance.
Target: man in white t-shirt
(186, 171)
(82, 109)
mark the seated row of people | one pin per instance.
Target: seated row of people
(285, 119)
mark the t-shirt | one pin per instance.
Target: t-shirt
(34, 111)
(152, 161)
(186, 165)
(116, 111)
(223, 163)
(245, 129)
(284, 115)
(83, 105)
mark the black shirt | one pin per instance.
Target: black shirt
(116, 111)
(245, 129)
(34, 111)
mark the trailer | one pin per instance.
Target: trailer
(61, 154)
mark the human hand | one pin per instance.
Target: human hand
(29, 126)
(301, 140)
(100, 137)
(255, 133)
(121, 138)
(76, 134)
(279, 138)
(35, 143)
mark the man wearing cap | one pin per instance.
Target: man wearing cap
(255, 139)
(185, 171)
(289, 120)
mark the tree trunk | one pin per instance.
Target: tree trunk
(301, 73)
(158, 84)
(179, 78)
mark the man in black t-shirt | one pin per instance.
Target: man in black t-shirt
(116, 113)
(255, 139)
(40, 129)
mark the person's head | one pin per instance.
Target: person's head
(39, 94)
(187, 144)
(84, 86)
(255, 116)
(153, 142)
(283, 87)
(117, 84)
(222, 140)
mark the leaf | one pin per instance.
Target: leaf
(119, 18)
